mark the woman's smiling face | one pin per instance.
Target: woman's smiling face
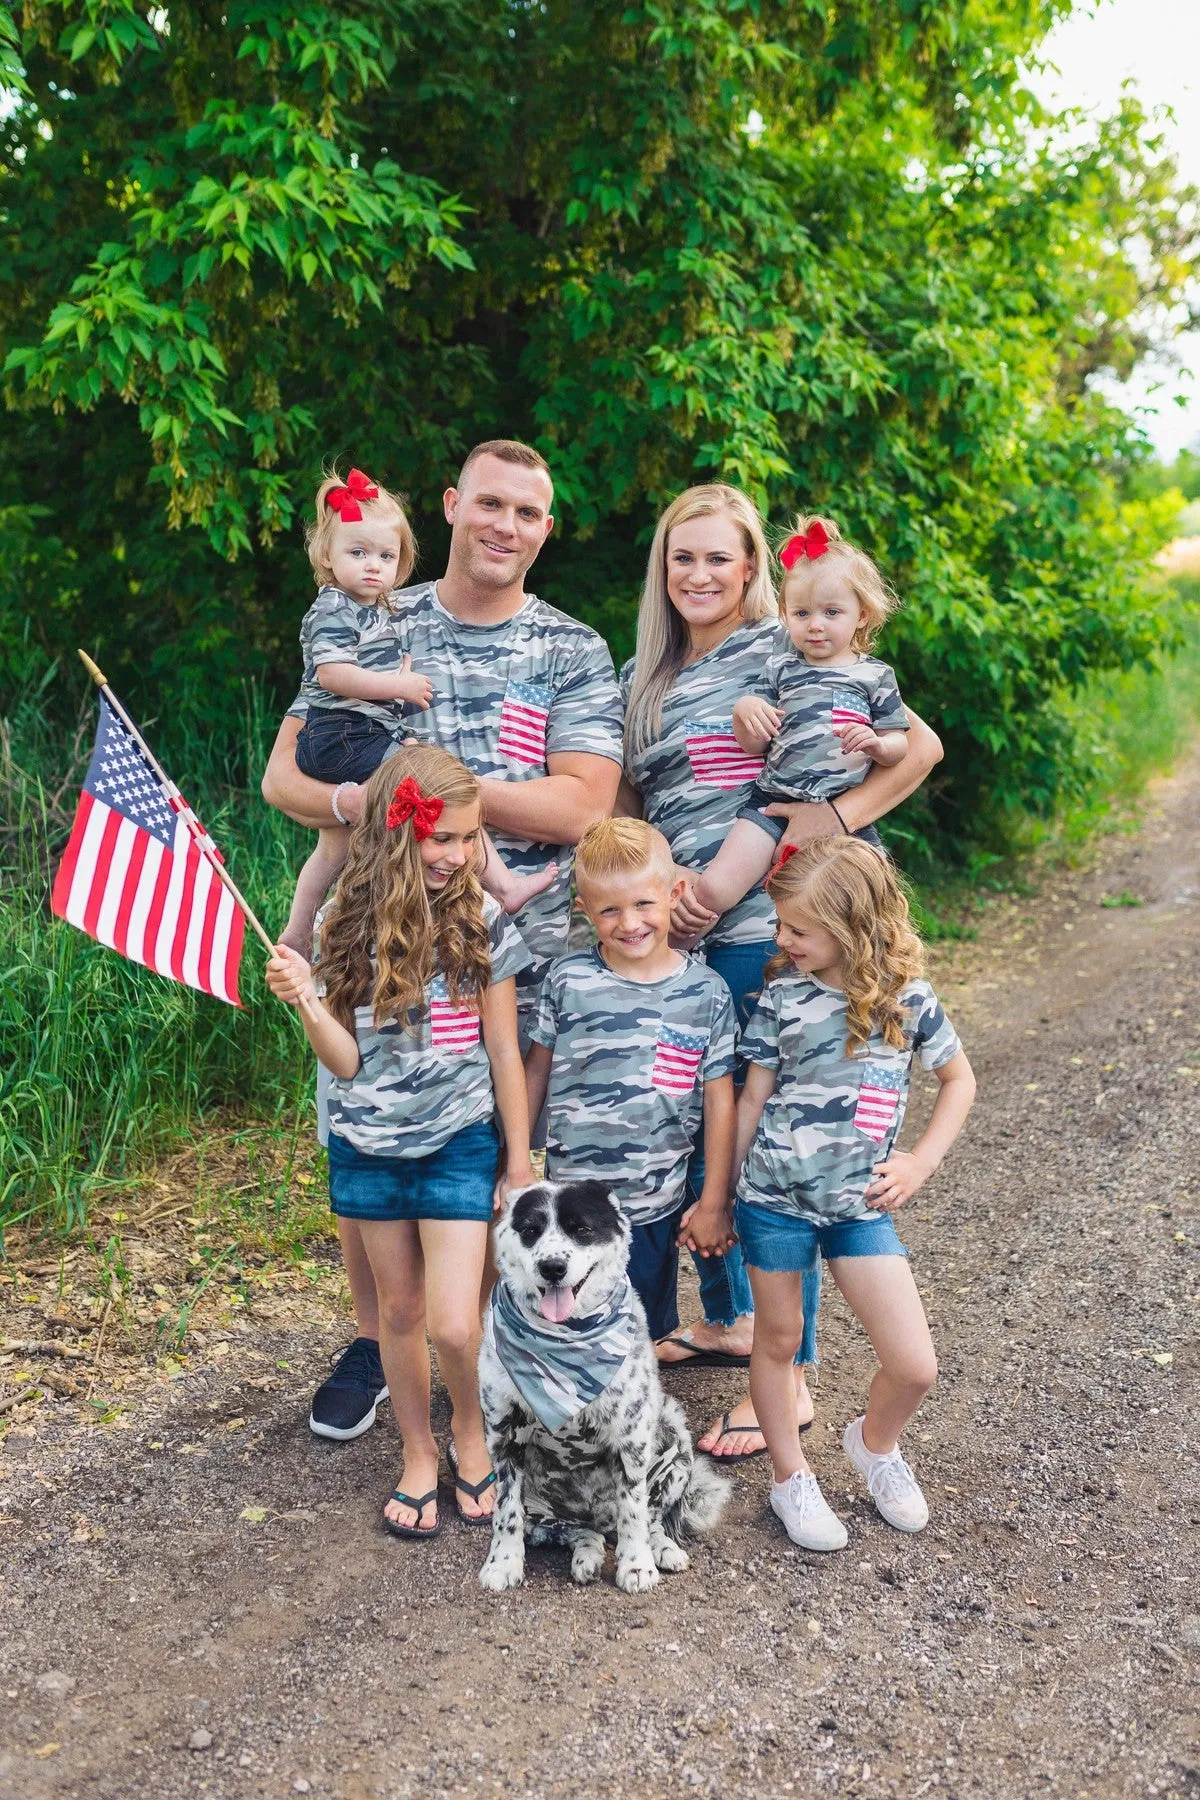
(708, 572)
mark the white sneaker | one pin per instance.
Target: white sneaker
(890, 1482)
(807, 1518)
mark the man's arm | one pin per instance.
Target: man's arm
(883, 790)
(297, 795)
(555, 808)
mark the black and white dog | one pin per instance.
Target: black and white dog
(583, 1440)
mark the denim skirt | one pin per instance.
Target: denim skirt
(455, 1182)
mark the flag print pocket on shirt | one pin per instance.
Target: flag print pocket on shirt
(879, 1099)
(523, 717)
(453, 1029)
(844, 713)
(677, 1059)
(716, 758)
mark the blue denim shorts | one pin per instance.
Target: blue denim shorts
(455, 1182)
(780, 1243)
(338, 744)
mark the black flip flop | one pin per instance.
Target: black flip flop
(728, 1430)
(472, 1488)
(699, 1357)
(418, 1506)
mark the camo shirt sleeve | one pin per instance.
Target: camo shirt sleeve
(832, 1117)
(695, 776)
(424, 1078)
(629, 1062)
(337, 629)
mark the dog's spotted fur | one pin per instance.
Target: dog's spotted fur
(624, 1466)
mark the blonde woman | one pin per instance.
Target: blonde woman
(707, 625)
(415, 1017)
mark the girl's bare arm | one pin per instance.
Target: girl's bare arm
(898, 1179)
(760, 1085)
(499, 1023)
(290, 980)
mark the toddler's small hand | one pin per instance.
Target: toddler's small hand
(409, 686)
(757, 718)
(857, 739)
(896, 1181)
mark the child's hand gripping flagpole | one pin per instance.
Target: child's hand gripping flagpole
(204, 844)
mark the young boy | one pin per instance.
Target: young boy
(632, 1046)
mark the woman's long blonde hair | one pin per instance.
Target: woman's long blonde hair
(662, 636)
(382, 904)
(849, 889)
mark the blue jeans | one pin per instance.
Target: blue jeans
(724, 1285)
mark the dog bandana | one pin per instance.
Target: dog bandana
(560, 1369)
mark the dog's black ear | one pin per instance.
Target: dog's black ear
(590, 1209)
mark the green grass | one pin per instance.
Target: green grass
(102, 1063)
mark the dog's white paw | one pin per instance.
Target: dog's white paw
(637, 1575)
(587, 1561)
(500, 1572)
(671, 1559)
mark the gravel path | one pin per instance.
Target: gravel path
(202, 1602)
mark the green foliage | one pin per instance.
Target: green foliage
(104, 1062)
(833, 252)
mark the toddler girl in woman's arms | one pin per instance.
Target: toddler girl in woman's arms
(826, 710)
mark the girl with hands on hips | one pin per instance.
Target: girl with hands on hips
(843, 1012)
(413, 1011)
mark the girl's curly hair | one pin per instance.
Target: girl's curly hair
(876, 599)
(382, 905)
(851, 891)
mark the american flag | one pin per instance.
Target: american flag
(133, 875)
(848, 715)
(453, 1028)
(677, 1056)
(717, 758)
(523, 718)
(878, 1098)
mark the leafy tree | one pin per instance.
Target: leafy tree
(832, 251)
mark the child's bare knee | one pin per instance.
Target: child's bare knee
(778, 1343)
(454, 1334)
(401, 1314)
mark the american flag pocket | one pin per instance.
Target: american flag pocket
(716, 758)
(523, 716)
(878, 1100)
(453, 1029)
(677, 1059)
(841, 716)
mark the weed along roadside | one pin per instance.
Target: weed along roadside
(195, 1594)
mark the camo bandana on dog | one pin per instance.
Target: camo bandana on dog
(560, 1369)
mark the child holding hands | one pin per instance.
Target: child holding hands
(827, 709)
(843, 1012)
(358, 685)
(414, 1014)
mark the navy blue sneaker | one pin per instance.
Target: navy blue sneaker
(344, 1406)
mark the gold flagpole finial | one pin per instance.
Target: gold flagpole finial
(99, 679)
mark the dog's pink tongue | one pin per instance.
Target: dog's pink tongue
(556, 1304)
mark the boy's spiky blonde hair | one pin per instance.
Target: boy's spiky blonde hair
(385, 509)
(618, 847)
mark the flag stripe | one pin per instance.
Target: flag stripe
(114, 887)
(130, 889)
(233, 952)
(208, 927)
(104, 854)
(158, 905)
(66, 868)
(91, 838)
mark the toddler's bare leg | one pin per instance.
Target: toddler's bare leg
(739, 865)
(512, 891)
(316, 878)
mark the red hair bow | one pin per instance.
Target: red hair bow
(345, 500)
(789, 850)
(408, 802)
(811, 543)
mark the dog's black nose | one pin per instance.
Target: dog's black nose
(552, 1269)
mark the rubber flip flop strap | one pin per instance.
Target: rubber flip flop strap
(474, 1488)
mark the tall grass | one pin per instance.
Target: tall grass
(101, 1061)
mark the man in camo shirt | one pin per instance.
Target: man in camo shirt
(527, 698)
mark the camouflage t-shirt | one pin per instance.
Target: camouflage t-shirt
(423, 1079)
(337, 629)
(695, 776)
(806, 761)
(630, 1059)
(505, 697)
(832, 1116)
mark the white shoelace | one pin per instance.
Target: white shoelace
(892, 1479)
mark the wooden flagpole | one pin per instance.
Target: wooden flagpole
(190, 820)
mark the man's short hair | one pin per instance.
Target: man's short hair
(509, 450)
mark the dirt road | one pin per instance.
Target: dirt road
(202, 1602)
